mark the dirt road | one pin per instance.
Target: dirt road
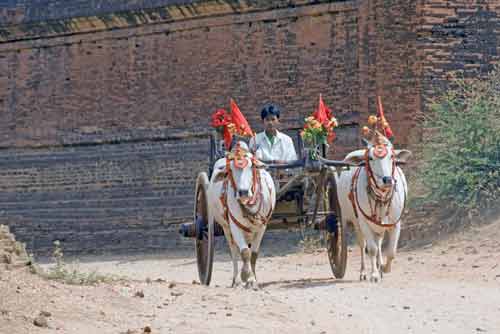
(450, 287)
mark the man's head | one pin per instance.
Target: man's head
(270, 115)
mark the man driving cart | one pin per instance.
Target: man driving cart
(271, 145)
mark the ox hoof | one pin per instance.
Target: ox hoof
(236, 283)
(386, 268)
(375, 279)
(362, 277)
(252, 285)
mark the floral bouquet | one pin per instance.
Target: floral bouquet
(319, 128)
(221, 119)
(231, 124)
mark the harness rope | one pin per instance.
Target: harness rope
(256, 192)
(381, 196)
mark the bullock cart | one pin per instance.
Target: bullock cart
(306, 197)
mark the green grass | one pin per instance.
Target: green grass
(68, 274)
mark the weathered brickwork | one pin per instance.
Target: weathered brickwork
(388, 64)
(89, 157)
(24, 11)
(37, 21)
(115, 196)
(153, 77)
(456, 38)
(104, 105)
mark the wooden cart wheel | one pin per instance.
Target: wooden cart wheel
(204, 231)
(336, 234)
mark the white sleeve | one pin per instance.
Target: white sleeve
(258, 154)
(290, 150)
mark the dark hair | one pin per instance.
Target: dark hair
(270, 109)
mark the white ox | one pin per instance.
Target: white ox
(372, 197)
(241, 198)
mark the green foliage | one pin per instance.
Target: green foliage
(314, 136)
(318, 131)
(462, 146)
(62, 272)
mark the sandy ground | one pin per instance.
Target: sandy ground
(452, 286)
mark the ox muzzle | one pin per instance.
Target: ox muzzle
(244, 196)
(388, 181)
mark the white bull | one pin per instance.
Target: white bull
(241, 198)
(372, 197)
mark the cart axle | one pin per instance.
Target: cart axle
(329, 224)
(195, 230)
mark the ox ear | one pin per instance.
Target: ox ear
(402, 155)
(356, 157)
(219, 176)
(258, 163)
(366, 142)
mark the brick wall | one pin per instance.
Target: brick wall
(102, 117)
(42, 19)
(159, 77)
(87, 120)
(24, 11)
(388, 64)
(456, 38)
(119, 196)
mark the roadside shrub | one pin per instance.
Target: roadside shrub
(462, 145)
(62, 272)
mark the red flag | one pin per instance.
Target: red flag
(323, 114)
(385, 125)
(241, 125)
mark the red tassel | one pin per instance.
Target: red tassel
(228, 137)
(387, 129)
